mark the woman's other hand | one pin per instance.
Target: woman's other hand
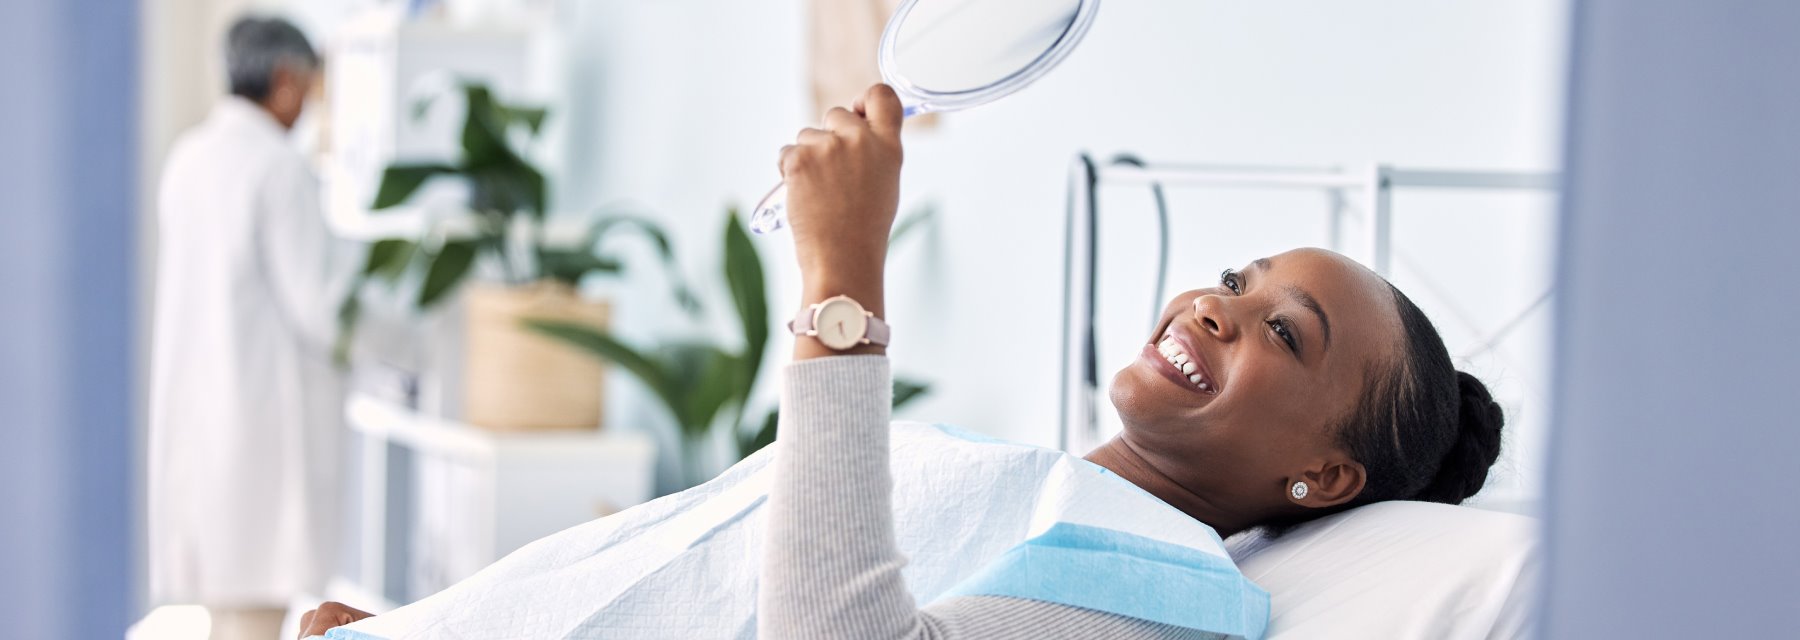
(328, 616)
(843, 190)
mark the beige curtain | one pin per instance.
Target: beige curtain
(844, 36)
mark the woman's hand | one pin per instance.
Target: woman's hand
(843, 190)
(328, 616)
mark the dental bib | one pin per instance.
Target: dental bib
(975, 517)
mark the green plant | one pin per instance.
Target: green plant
(503, 185)
(697, 380)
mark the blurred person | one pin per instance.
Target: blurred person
(245, 405)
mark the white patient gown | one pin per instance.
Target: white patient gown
(974, 516)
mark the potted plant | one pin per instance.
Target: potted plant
(703, 384)
(515, 379)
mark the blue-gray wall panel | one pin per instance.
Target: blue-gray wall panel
(1671, 509)
(68, 121)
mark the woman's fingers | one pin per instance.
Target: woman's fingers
(810, 144)
(841, 121)
(328, 616)
(878, 109)
(884, 111)
(814, 138)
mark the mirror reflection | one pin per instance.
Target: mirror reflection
(951, 46)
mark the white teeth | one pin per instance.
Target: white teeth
(1171, 351)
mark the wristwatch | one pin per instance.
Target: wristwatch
(840, 323)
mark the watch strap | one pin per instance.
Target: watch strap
(877, 333)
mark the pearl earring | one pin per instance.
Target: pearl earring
(1299, 490)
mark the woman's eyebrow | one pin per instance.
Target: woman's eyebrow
(1306, 300)
(1301, 297)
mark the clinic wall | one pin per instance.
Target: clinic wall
(676, 108)
(681, 104)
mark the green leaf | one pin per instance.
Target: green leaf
(349, 312)
(704, 378)
(664, 249)
(906, 391)
(446, 270)
(919, 217)
(507, 187)
(603, 345)
(534, 189)
(531, 117)
(570, 266)
(753, 442)
(422, 106)
(744, 274)
(484, 129)
(388, 258)
(398, 182)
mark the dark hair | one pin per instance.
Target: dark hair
(1423, 431)
(254, 47)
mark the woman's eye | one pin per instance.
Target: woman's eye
(1286, 334)
(1229, 279)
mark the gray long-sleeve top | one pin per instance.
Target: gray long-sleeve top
(831, 567)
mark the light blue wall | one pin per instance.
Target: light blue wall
(67, 179)
(1672, 510)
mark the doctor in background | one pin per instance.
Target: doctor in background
(245, 406)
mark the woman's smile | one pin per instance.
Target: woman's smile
(1174, 356)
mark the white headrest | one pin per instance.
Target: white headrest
(1398, 570)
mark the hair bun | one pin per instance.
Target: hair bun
(1464, 468)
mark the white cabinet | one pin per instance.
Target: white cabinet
(473, 495)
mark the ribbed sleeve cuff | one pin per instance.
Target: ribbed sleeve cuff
(831, 566)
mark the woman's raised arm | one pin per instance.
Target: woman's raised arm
(831, 565)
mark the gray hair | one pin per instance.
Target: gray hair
(254, 47)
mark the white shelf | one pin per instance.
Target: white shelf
(451, 440)
(475, 495)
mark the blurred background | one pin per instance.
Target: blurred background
(535, 306)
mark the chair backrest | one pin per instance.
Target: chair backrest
(1398, 570)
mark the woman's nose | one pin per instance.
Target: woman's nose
(1214, 315)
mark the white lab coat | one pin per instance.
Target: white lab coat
(245, 407)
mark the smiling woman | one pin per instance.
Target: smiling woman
(1301, 386)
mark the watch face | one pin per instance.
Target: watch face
(841, 324)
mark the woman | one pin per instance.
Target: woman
(1300, 386)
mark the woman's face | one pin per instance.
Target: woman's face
(1265, 364)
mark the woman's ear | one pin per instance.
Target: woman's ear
(1333, 483)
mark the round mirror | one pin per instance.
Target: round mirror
(941, 55)
(965, 46)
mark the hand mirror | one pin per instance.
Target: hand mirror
(945, 55)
